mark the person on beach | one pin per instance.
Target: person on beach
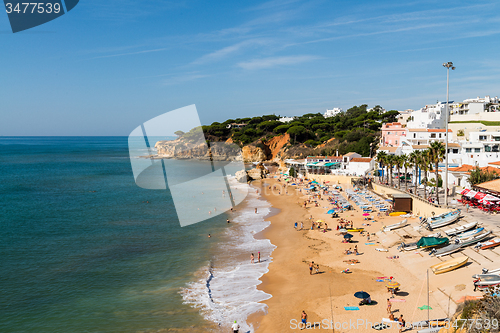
(356, 249)
(255, 210)
(258, 256)
(235, 327)
(311, 266)
(317, 269)
(209, 236)
(402, 323)
(303, 321)
(228, 221)
(251, 258)
(389, 306)
(296, 225)
(301, 225)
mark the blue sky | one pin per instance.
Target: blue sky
(108, 66)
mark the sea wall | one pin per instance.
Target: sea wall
(420, 206)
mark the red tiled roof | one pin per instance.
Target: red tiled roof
(495, 163)
(438, 130)
(361, 159)
(463, 168)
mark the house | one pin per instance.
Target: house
(359, 166)
(286, 119)
(333, 112)
(430, 116)
(392, 134)
(424, 136)
(492, 187)
(481, 148)
(390, 150)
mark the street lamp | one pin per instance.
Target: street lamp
(448, 65)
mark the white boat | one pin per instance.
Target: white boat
(407, 246)
(487, 280)
(461, 243)
(442, 220)
(460, 229)
(436, 234)
(470, 233)
(487, 271)
(396, 225)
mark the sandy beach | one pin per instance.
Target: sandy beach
(324, 295)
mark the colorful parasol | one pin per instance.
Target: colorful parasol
(392, 284)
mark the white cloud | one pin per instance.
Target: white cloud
(275, 61)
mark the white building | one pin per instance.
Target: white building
(430, 116)
(424, 136)
(333, 112)
(475, 106)
(359, 166)
(481, 148)
(286, 119)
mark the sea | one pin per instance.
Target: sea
(84, 249)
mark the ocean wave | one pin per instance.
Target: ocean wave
(227, 288)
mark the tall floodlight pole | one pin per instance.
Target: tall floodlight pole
(448, 65)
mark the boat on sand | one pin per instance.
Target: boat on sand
(449, 265)
(396, 225)
(460, 229)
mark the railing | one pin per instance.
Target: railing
(411, 194)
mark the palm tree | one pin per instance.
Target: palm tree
(391, 159)
(437, 152)
(400, 160)
(424, 165)
(415, 157)
(382, 159)
(408, 163)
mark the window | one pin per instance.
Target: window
(396, 142)
(455, 151)
(388, 133)
(433, 135)
(440, 135)
(414, 135)
(468, 150)
(477, 150)
(497, 138)
(482, 137)
(487, 148)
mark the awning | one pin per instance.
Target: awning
(321, 164)
(312, 164)
(465, 191)
(479, 195)
(471, 194)
(490, 197)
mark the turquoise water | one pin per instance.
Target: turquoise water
(81, 250)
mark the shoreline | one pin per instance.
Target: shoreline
(324, 296)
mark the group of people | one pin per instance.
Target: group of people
(252, 258)
(400, 320)
(349, 251)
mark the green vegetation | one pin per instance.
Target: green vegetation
(292, 172)
(484, 122)
(355, 130)
(478, 176)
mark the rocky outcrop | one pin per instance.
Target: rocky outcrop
(249, 175)
(253, 153)
(183, 149)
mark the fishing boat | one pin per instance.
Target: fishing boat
(407, 247)
(397, 213)
(436, 234)
(460, 229)
(396, 225)
(442, 220)
(475, 238)
(487, 280)
(491, 243)
(470, 233)
(449, 265)
(461, 243)
(355, 229)
(427, 242)
(487, 271)
(448, 250)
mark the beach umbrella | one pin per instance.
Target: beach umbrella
(388, 200)
(392, 284)
(320, 221)
(331, 211)
(361, 294)
(346, 236)
(366, 214)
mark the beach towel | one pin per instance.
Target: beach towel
(380, 280)
(351, 308)
(397, 300)
(369, 243)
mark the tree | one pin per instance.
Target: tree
(391, 159)
(460, 132)
(408, 163)
(437, 152)
(425, 161)
(291, 172)
(381, 159)
(415, 157)
(478, 176)
(399, 162)
(179, 133)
